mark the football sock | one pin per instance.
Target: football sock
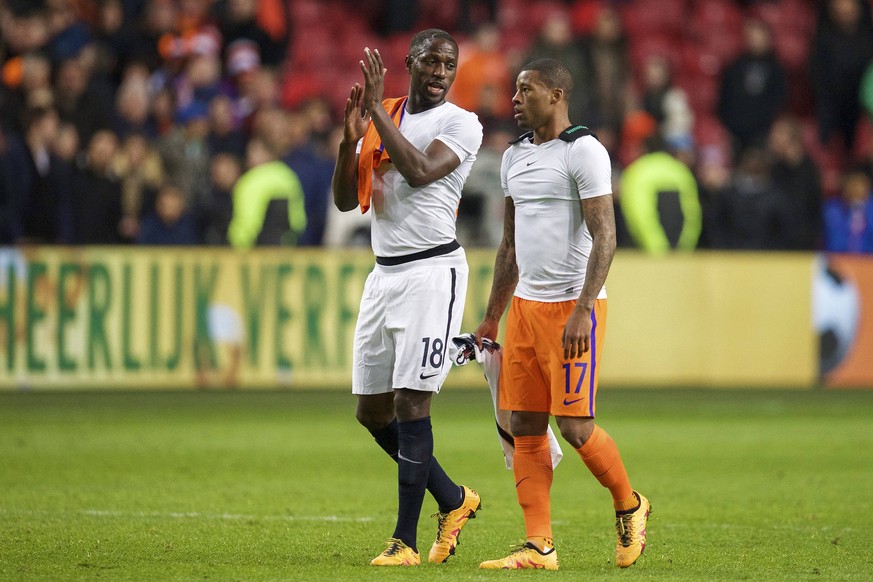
(636, 505)
(451, 494)
(414, 454)
(543, 544)
(532, 466)
(602, 458)
(448, 495)
(386, 437)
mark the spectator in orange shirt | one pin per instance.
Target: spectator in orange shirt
(483, 77)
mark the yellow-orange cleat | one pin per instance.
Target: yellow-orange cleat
(397, 554)
(631, 531)
(526, 557)
(449, 526)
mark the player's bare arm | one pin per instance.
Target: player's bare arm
(505, 278)
(344, 183)
(418, 167)
(600, 217)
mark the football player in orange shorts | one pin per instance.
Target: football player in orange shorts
(557, 247)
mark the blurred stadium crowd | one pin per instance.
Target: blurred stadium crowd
(731, 124)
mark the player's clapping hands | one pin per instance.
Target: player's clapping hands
(374, 78)
(356, 118)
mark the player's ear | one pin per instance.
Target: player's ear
(408, 61)
(557, 95)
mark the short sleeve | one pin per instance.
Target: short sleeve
(504, 171)
(462, 133)
(590, 168)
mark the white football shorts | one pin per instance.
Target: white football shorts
(408, 317)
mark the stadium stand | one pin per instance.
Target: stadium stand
(156, 41)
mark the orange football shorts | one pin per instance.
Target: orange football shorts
(534, 376)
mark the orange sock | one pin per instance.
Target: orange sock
(532, 465)
(602, 458)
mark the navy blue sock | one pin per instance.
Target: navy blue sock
(386, 437)
(446, 493)
(415, 452)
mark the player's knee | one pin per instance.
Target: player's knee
(375, 411)
(576, 431)
(523, 423)
(411, 404)
(374, 417)
(371, 420)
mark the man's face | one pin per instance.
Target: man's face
(49, 126)
(101, 150)
(532, 100)
(432, 72)
(856, 188)
(170, 205)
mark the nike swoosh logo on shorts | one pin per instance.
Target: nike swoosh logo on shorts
(531, 163)
(423, 377)
(569, 402)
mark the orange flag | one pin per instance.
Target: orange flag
(373, 153)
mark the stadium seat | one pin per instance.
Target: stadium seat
(437, 14)
(723, 47)
(583, 15)
(353, 41)
(314, 46)
(659, 17)
(716, 17)
(716, 27)
(708, 131)
(527, 18)
(305, 13)
(644, 46)
(298, 86)
(792, 48)
(697, 60)
(863, 140)
(794, 16)
(702, 91)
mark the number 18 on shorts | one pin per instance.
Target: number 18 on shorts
(407, 319)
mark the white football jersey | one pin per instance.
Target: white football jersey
(406, 219)
(552, 241)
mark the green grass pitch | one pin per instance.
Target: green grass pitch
(745, 485)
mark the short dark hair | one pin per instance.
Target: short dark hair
(422, 40)
(553, 73)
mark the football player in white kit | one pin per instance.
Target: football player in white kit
(558, 244)
(408, 158)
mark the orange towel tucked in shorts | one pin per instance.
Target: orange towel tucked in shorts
(373, 154)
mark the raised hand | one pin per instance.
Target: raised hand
(356, 118)
(374, 78)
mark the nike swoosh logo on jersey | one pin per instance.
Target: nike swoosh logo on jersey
(569, 402)
(423, 377)
(530, 163)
